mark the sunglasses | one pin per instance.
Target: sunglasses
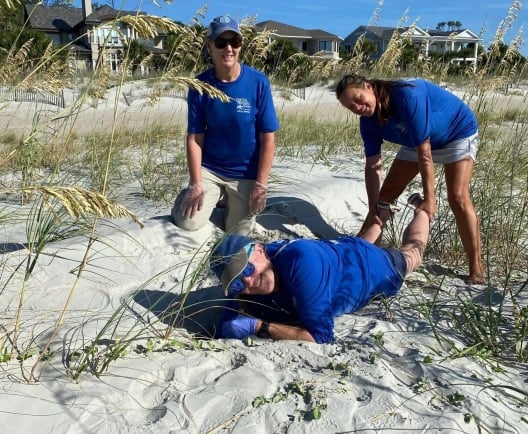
(237, 285)
(221, 43)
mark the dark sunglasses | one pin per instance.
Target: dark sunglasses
(221, 43)
(237, 285)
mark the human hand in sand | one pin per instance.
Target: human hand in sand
(257, 198)
(239, 327)
(193, 200)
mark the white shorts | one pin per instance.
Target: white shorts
(454, 151)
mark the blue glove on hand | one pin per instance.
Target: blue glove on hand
(239, 327)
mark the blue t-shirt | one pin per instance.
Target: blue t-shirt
(231, 147)
(418, 111)
(321, 279)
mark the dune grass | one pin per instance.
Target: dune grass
(67, 183)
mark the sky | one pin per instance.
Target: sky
(341, 17)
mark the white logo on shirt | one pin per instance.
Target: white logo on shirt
(243, 105)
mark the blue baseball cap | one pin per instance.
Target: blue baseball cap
(222, 24)
(229, 258)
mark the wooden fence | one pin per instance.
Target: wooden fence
(30, 95)
(182, 93)
(519, 87)
(298, 92)
(172, 93)
(41, 96)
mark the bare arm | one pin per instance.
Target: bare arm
(279, 331)
(267, 152)
(373, 186)
(194, 157)
(373, 181)
(257, 197)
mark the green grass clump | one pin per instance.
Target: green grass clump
(69, 181)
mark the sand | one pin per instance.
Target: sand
(385, 372)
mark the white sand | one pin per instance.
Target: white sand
(385, 373)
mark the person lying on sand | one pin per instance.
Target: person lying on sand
(303, 284)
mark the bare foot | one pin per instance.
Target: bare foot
(475, 279)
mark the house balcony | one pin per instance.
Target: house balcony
(327, 55)
(107, 42)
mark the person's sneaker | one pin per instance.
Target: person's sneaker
(415, 200)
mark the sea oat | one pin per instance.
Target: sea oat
(79, 202)
(150, 26)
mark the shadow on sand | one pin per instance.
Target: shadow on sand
(200, 312)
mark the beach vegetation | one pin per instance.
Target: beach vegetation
(71, 185)
(312, 404)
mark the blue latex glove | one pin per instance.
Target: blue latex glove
(239, 327)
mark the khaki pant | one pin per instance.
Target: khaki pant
(235, 194)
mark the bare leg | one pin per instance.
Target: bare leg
(400, 174)
(458, 176)
(415, 238)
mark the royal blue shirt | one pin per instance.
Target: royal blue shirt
(419, 111)
(321, 279)
(231, 147)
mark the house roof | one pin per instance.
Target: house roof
(288, 31)
(380, 32)
(79, 47)
(385, 33)
(53, 17)
(462, 33)
(65, 18)
(107, 13)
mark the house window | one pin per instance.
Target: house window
(107, 35)
(113, 62)
(325, 45)
(304, 48)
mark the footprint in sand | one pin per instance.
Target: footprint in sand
(151, 400)
(85, 300)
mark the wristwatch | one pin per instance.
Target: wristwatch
(264, 330)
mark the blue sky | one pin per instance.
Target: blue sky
(341, 17)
